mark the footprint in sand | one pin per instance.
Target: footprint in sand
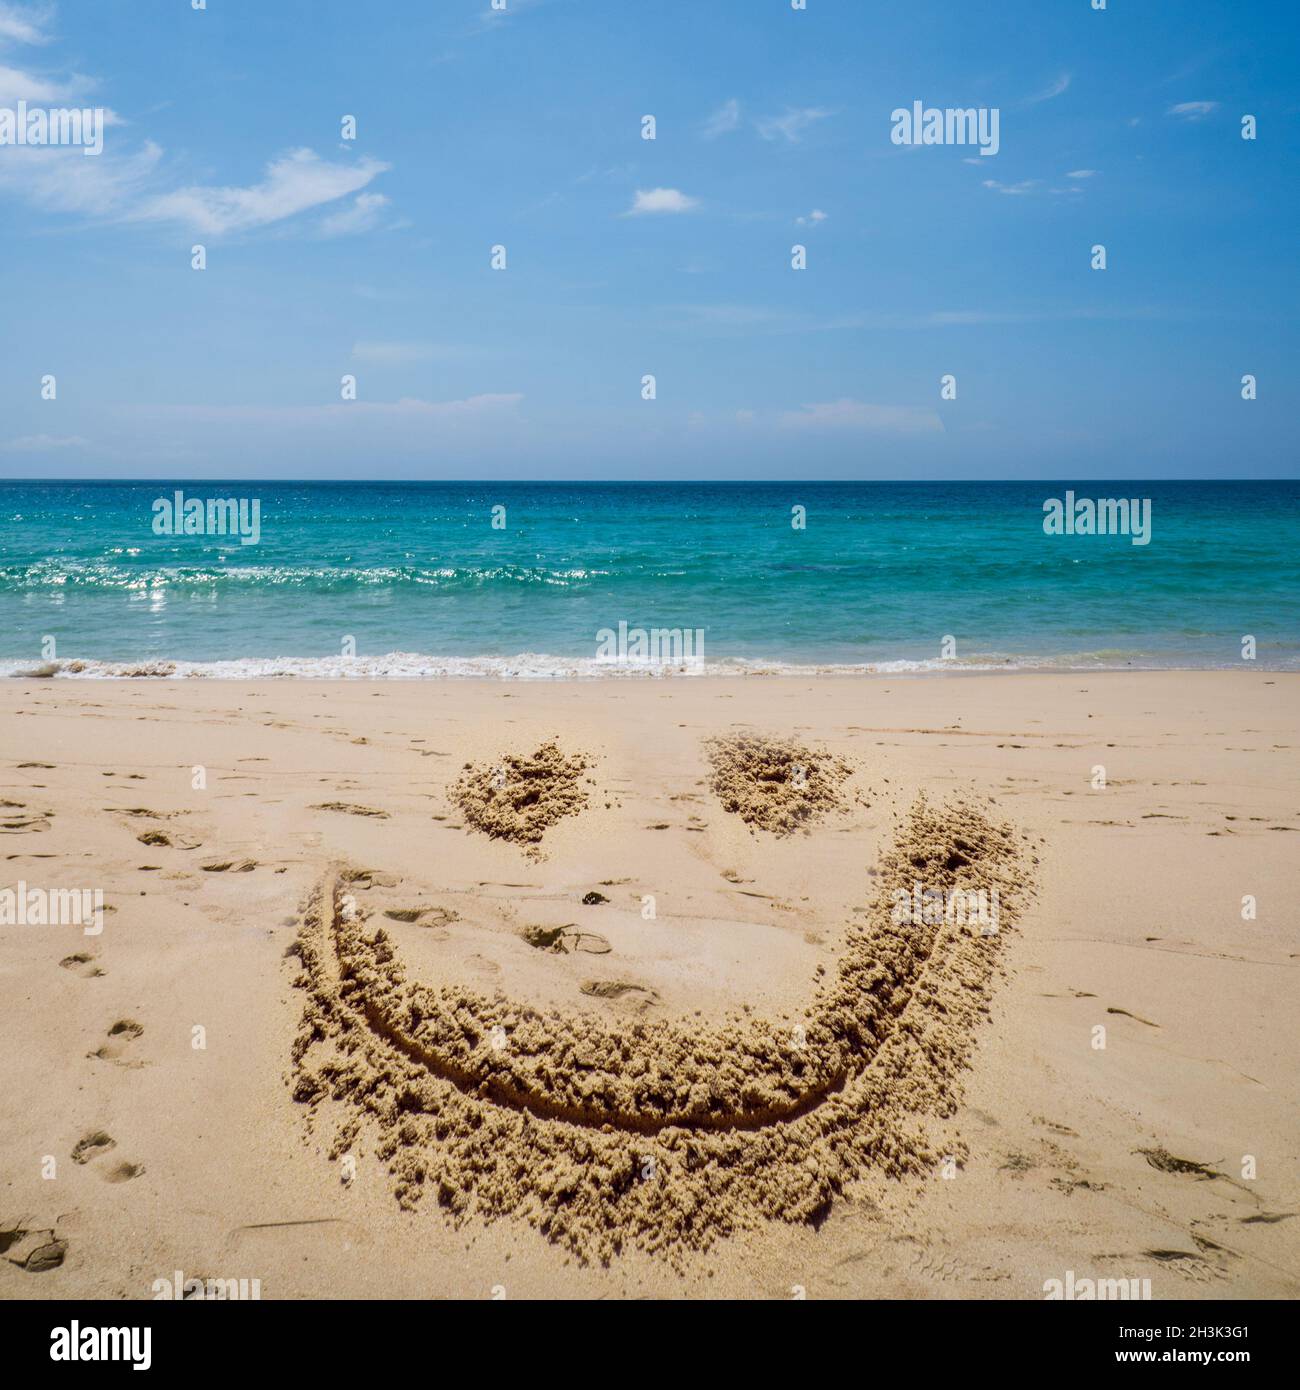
(368, 878)
(423, 916)
(566, 939)
(92, 1145)
(83, 964)
(96, 1145)
(157, 837)
(221, 866)
(618, 989)
(123, 1172)
(35, 1251)
(350, 808)
(121, 1035)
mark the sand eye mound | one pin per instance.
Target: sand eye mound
(775, 784)
(518, 798)
(659, 1134)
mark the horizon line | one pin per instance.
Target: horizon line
(634, 482)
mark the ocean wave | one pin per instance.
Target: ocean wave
(109, 577)
(541, 667)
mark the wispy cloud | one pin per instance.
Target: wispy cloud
(296, 182)
(1014, 189)
(1193, 110)
(813, 218)
(59, 179)
(968, 317)
(1081, 174)
(16, 84)
(660, 200)
(1053, 89)
(790, 126)
(399, 353)
(408, 408)
(723, 121)
(752, 319)
(729, 319)
(127, 185)
(391, 354)
(847, 414)
(24, 23)
(364, 215)
(28, 26)
(42, 443)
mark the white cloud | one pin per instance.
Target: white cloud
(26, 25)
(723, 121)
(124, 185)
(294, 183)
(813, 218)
(363, 216)
(1054, 89)
(407, 408)
(42, 443)
(1193, 110)
(950, 317)
(1015, 189)
(1081, 174)
(661, 200)
(61, 179)
(392, 354)
(17, 85)
(791, 125)
(858, 415)
(23, 23)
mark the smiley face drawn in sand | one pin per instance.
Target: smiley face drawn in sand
(655, 1133)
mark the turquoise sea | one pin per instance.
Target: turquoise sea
(424, 584)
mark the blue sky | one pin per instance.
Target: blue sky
(669, 257)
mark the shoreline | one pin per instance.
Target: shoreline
(527, 668)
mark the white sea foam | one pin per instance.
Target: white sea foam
(540, 667)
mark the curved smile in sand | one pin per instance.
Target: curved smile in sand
(653, 1132)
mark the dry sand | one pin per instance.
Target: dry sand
(440, 988)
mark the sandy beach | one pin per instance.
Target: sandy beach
(342, 1035)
